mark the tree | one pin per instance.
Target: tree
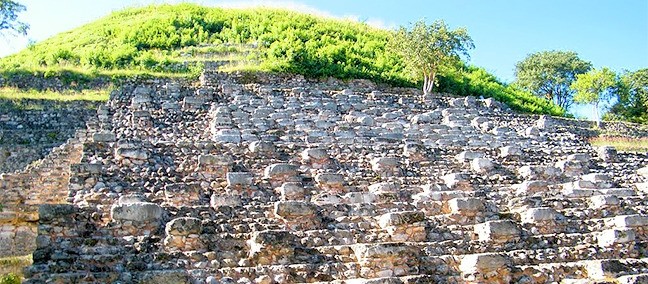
(633, 98)
(426, 48)
(549, 74)
(9, 11)
(594, 87)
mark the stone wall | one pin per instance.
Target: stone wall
(246, 179)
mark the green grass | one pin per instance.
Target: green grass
(11, 268)
(174, 41)
(625, 144)
(7, 93)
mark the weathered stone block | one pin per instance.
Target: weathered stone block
(298, 214)
(292, 191)
(359, 197)
(140, 212)
(400, 218)
(330, 181)
(386, 166)
(615, 236)
(280, 171)
(50, 212)
(468, 206)
(498, 231)
(541, 214)
(218, 200)
(532, 187)
(482, 263)
(239, 179)
(629, 221)
(272, 247)
(510, 151)
(132, 154)
(604, 201)
(605, 269)
(104, 136)
(467, 156)
(184, 226)
(458, 181)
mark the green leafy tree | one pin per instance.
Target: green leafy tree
(632, 104)
(427, 48)
(9, 11)
(549, 74)
(595, 87)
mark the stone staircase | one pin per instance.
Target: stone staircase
(296, 181)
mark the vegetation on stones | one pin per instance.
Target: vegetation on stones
(428, 48)
(549, 74)
(11, 268)
(175, 40)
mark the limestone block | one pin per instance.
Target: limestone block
(630, 221)
(218, 200)
(315, 155)
(604, 201)
(214, 160)
(599, 180)
(182, 194)
(227, 136)
(572, 168)
(482, 165)
(272, 247)
(541, 214)
(545, 123)
(467, 156)
(294, 209)
(132, 154)
(239, 179)
(583, 158)
(139, 212)
(615, 236)
(643, 171)
(298, 214)
(331, 182)
(458, 181)
(605, 268)
(292, 191)
(467, 206)
(400, 218)
(386, 166)
(407, 226)
(359, 197)
(384, 187)
(366, 120)
(607, 154)
(532, 187)
(532, 131)
(483, 263)
(510, 151)
(498, 231)
(414, 152)
(280, 171)
(104, 136)
(386, 259)
(262, 147)
(183, 226)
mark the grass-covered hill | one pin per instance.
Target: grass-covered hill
(172, 40)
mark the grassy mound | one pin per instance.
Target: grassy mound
(176, 40)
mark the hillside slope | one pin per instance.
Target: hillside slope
(176, 39)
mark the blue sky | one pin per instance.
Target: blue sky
(608, 33)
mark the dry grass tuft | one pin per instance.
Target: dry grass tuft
(625, 144)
